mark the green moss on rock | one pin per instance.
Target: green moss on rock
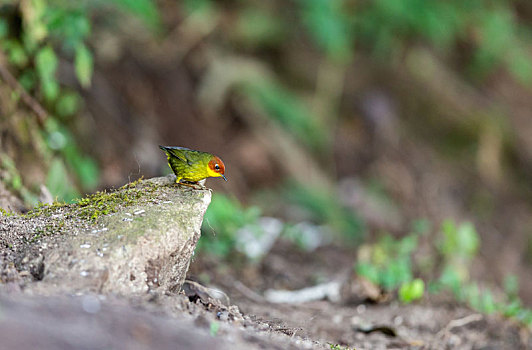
(93, 206)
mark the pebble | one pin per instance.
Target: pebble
(100, 230)
(90, 304)
(398, 320)
(337, 319)
(263, 327)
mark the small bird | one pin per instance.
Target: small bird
(193, 166)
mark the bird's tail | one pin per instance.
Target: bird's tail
(175, 152)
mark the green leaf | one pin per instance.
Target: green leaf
(461, 241)
(468, 239)
(32, 15)
(68, 104)
(84, 65)
(411, 291)
(46, 65)
(368, 271)
(70, 24)
(15, 52)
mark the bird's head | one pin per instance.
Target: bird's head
(216, 168)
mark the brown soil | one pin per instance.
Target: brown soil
(436, 323)
(239, 317)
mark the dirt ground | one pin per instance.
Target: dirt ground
(227, 309)
(436, 323)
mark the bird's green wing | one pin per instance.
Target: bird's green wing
(178, 152)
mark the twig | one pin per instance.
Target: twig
(460, 322)
(329, 290)
(32, 103)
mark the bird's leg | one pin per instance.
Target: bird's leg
(187, 184)
(201, 184)
(193, 185)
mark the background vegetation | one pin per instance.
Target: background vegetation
(398, 130)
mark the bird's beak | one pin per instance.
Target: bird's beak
(224, 177)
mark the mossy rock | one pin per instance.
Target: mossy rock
(138, 238)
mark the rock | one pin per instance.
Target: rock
(136, 239)
(8, 201)
(89, 322)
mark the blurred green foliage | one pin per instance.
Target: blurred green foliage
(411, 291)
(46, 66)
(59, 183)
(12, 177)
(13, 180)
(258, 27)
(146, 10)
(388, 263)
(476, 38)
(60, 139)
(35, 35)
(492, 29)
(330, 25)
(513, 306)
(458, 247)
(224, 217)
(479, 36)
(323, 208)
(289, 111)
(490, 34)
